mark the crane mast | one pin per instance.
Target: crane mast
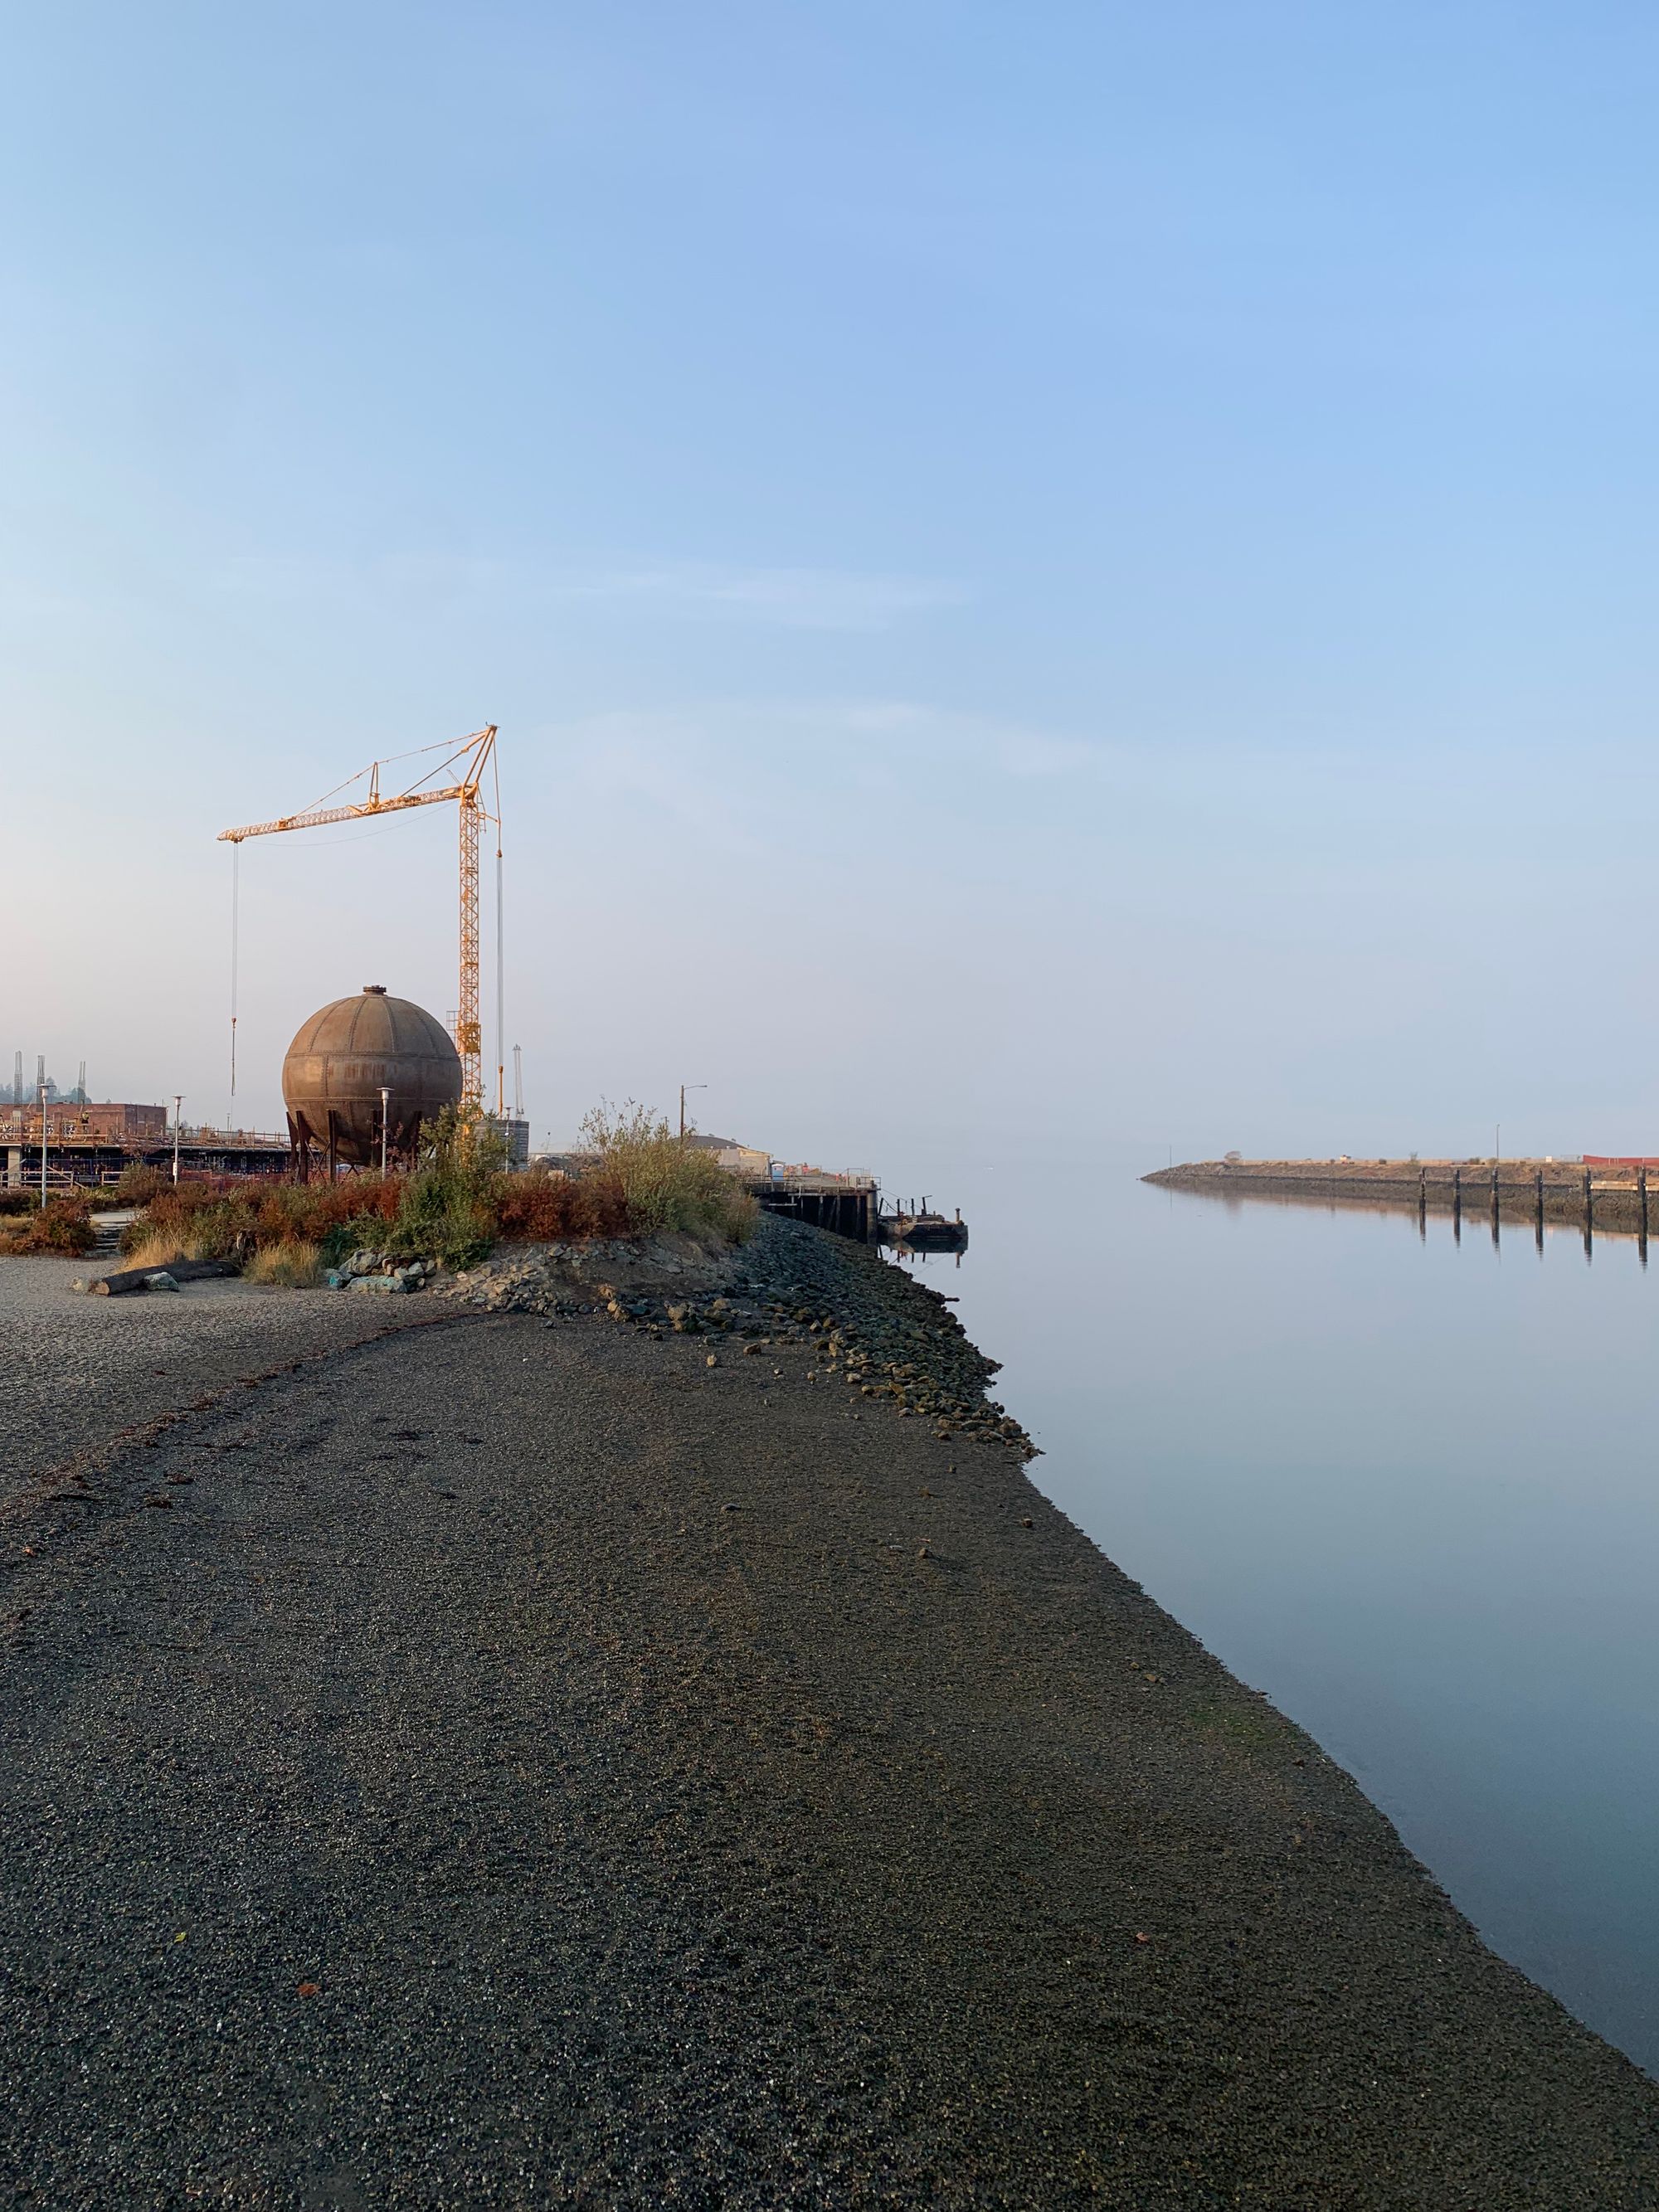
(469, 1032)
(471, 756)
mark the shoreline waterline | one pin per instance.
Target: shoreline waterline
(847, 1781)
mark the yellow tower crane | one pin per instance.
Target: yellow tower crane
(471, 756)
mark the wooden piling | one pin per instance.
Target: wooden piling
(1641, 1214)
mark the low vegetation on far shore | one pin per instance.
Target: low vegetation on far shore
(636, 1180)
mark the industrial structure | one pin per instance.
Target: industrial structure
(362, 1076)
(24, 1094)
(80, 1154)
(112, 1121)
(470, 758)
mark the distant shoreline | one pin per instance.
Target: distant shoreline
(1436, 1186)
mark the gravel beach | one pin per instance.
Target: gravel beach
(78, 1372)
(542, 1757)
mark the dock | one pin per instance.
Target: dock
(1589, 1191)
(846, 1204)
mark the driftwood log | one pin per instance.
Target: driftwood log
(136, 1278)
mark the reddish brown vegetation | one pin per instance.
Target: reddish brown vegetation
(63, 1226)
(545, 1207)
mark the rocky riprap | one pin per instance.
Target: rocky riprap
(379, 1271)
(789, 1288)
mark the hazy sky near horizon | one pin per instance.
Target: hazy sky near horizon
(1047, 575)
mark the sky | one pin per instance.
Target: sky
(1050, 578)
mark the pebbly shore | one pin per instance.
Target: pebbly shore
(79, 1375)
(864, 1322)
(670, 1753)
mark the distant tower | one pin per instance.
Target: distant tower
(81, 1085)
(17, 1080)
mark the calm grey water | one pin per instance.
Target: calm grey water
(1409, 1489)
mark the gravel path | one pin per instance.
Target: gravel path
(75, 1370)
(521, 1764)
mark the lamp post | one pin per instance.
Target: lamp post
(178, 1104)
(684, 1087)
(43, 1144)
(385, 1115)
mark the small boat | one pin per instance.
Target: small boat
(924, 1232)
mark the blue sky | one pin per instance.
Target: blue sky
(1045, 575)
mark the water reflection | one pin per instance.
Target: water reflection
(1512, 1206)
(1397, 1483)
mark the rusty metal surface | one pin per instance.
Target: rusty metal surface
(341, 1057)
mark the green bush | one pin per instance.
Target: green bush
(662, 1183)
(445, 1209)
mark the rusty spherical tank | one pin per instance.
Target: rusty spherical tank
(346, 1054)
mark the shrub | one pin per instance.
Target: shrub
(228, 1218)
(550, 1207)
(445, 1209)
(661, 1183)
(139, 1184)
(457, 1201)
(61, 1224)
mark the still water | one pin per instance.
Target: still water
(1407, 1488)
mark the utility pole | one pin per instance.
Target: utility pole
(684, 1087)
(385, 1115)
(177, 1105)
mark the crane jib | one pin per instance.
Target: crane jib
(476, 751)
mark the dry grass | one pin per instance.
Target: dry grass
(297, 1264)
(162, 1247)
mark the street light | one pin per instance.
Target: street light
(43, 1144)
(178, 1104)
(684, 1087)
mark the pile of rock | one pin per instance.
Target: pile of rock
(526, 1284)
(862, 1321)
(379, 1271)
(877, 1328)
